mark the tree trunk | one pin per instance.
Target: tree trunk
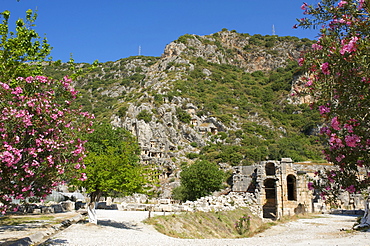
(94, 198)
(365, 220)
(93, 218)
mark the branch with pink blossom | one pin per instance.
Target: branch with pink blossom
(338, 80)
(40, 137)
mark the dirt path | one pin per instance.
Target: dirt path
(125, 228)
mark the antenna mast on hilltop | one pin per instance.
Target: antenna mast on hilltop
(139, 50)
(273, 30)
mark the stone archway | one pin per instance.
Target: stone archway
(270, 206)
(291, 187)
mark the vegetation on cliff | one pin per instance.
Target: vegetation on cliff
(241, 81)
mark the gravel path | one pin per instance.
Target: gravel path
(125, 228)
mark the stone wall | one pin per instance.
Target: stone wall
(227, 202)
(281, 188)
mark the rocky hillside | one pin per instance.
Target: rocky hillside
(222, 97)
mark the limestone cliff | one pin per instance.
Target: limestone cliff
(223, 97)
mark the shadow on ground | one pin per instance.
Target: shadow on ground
(21, 227)
(119, 225)
(54, 242)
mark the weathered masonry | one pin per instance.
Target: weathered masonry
(281, 187)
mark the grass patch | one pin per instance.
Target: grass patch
(202, 225)
(221, 224)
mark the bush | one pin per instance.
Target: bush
(183, 116)
(122, 111)
(192, 155)
(194, 144)
(200, 179)
(144, 115)
(178, 193)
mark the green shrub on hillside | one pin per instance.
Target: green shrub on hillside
(144, 115)
(183, 116)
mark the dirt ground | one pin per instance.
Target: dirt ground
(36, 223)
(126, 228)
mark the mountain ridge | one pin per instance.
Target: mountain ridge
(223, 97)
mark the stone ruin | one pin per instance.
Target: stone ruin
(281, 188)
(270, 189)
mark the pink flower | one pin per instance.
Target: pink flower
(304, 5)
(300, 61)
(309, 83)
(339, 158)
(335, 123)
(351, 189)
(316, 46)
(310, 186)
(323, 109)
(335, 141)
(342, 3)
(325, 68)
(8, 158)
(350, 47)
(360, 163)
(361, 4)
(26, 188)
(83, 177)
(17, 91)
(50, 159)
(325, 130)
(365, 80)
(348, 127)
(5, 86)
(352, 140)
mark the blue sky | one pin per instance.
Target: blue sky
(108, 30)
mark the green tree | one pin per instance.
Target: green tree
(199, 179)
(339, 82)
(21, 52)
(112, 165)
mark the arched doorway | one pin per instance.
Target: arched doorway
(269, 208)
(291, 187)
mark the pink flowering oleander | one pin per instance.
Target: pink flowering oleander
(352, 140)
(323, 109)
(361, 4)
(38, 132)
(340, 158)
(348, 127)
(301, 61)
(316, 46)
(348, 47)
(304, 6)
(342, 3)
(325, 68)
(335, 124)
(351, 189)
(309, 83)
